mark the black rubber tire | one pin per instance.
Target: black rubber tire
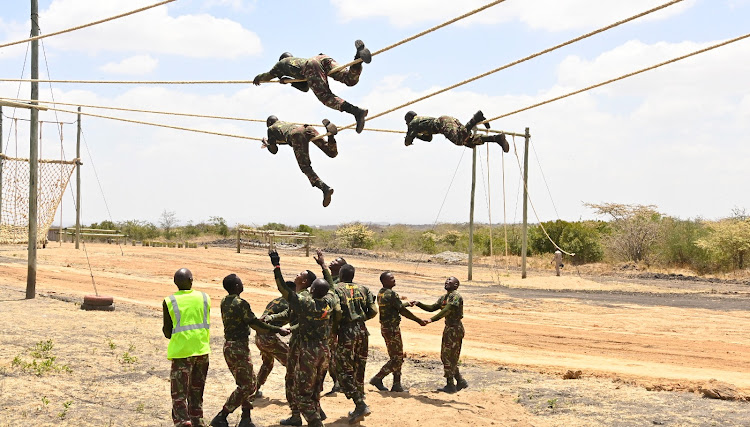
(97, 300)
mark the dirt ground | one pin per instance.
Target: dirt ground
(644, 346)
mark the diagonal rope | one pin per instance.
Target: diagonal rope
(624, 76)
(101, 21)
(539, 163)
(545, 51)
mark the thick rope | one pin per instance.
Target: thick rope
(86, 25)
(577, 39)
(61, 162)
(624, 76)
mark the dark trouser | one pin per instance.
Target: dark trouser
(453, 130)
(332, 369)
(188, 379)
(395, 346)
(312, 362)
(450, 349)
(351, 359)
(316, 72)
(237, 355)
(271, 347)
(301, 137)
(291, 368)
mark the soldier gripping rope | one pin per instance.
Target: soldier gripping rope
(299, 137)
(423, 127)
(315, 70)
(316, 312)
(238, 318)
(451, 306)
(391, 309)
(187, 316)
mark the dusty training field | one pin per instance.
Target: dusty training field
(647, 349)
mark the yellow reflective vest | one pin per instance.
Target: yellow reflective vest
(191, 314)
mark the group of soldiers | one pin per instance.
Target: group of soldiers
(326, 318)
(312, 73)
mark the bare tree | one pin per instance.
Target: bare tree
(167, 221)
(635, 229)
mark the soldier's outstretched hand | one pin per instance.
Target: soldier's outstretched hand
(413, 303)
(425, 322)
(319, 258)
(256, 80)
(275, 258)
(284, 332)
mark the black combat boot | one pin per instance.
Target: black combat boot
(327, 193)
(294, 420)
(330, 127)
(322, 414)
(359, 413)
(358, 113)
(378, 383)
(461, 383)
(363, 53)
(220, 420)
(450, 387)
(396, 387)
(246, 420)
(478, 117)
(500, 139)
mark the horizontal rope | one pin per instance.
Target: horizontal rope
(85, 25)
(60, 162)
(557, 98)
(545, 51)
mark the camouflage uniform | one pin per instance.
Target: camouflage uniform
(448, 126)
(238, 318)
(391, 310)
(357, 306)
(315, 70)
(269, 344)
(309, 351)
(299, 137)
(451, 306)
(188, 379)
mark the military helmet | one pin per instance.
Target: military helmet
(410, 116)
(285, 55)
(271, 120)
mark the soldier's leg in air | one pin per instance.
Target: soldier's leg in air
(476, 118)
(499, 138)
(300, 145)
(328, 146)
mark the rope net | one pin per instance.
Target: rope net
(54, 176)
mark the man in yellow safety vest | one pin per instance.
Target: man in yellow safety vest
(187, 315)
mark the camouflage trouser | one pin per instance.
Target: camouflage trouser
(271, 347)
(237, 355)
(300, 141)
(316, 73)
(351, 359)
(188, 378)
(452, 129)
(291, 368)
(395, 346)
(332, 368)
(450, 349)
(312, 362)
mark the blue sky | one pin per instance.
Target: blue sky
(675, 137)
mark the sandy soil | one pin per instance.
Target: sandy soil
(627, 336)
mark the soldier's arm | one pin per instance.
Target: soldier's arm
(249, 318)
(425, 136)
(429, 307)
(447, 309)
(264, 77)
(167, 327)
(408, 314)
(281, 284)
(372, 305)
(283, 315)
(327, 276)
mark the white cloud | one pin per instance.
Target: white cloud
(551, 15)
(153, 31)
(134, 65)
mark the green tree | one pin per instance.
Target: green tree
(302, 228)
(219, 225)
(729, 239)
(355, 235)
(275, 226)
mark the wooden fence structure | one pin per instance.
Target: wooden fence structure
(268, 238)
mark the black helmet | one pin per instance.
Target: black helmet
(285, 55)
(183, 278)
(271, 120)
(410, 116)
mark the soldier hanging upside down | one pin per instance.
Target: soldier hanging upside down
(423, 127)
(315, 70)
(299, 137)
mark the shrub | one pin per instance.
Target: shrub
(355, 235)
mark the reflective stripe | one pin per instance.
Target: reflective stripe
(184, 328)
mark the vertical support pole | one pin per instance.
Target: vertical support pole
(1, 162)
(524, 232)
(238, 239)
(78, 181)
(471, 210)
(307, 246)
(33, 154)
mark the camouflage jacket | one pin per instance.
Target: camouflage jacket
(238, 318)
(277, 305)
(357, 302)
(287, 67)
(314, 316)
(451, 306)
(422, 127)
(392, 308)
(279, 132)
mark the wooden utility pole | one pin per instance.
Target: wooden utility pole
(471, 209)
(1, 161)
(33, 154)
(524, 232)
(78, 181)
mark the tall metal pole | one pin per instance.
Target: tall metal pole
(524, 232)
(1, 162)
(471, 209)
(78, 181)
(33, 154)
